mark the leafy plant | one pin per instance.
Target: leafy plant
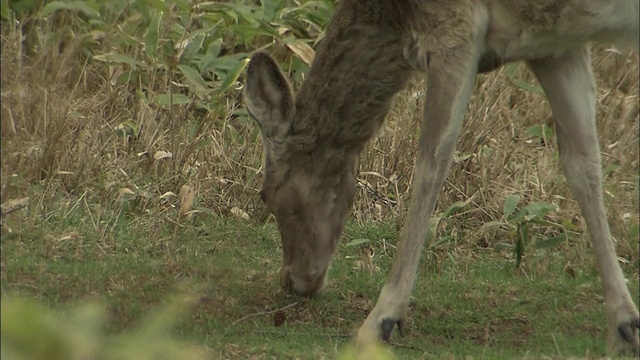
(520, 224)
(31, 331)
(436, 222)
(521, 84)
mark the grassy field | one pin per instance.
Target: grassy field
(138, 169)
(468, 302)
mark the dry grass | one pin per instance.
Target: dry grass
(69, 131)
(496, 157)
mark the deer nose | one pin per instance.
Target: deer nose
(302, 284)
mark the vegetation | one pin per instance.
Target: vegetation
(130, 167)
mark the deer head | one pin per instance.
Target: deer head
(308, 185)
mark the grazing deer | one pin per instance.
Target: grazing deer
(369, 52)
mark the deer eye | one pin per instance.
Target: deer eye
(263, 196)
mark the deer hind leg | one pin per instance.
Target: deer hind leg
(570, 87)
(450, 78)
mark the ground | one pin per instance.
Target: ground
(470, 302)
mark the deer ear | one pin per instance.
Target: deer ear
(268, 97)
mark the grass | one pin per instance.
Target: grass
(100, 156)
(469, 302)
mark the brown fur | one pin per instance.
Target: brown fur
(370, 50)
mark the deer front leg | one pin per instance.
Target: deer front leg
(571, 90)
(450, 78)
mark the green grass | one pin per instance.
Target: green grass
(468, 301)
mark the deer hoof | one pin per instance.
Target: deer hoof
(387, 328)
(629, 331)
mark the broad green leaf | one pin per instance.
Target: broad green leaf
(456, 206)
(227, 63)
(510, 204)
(527, 87)
(540, 209)
(128, 128)
(517, 216)
(131, 76)
(183, 5)
(357, 242)
(521, 240)
(540, 131)
(234, 75)
(610, 169)
(143, 8)
(193, 48)
(81, 6)
(440, 242)
(193, 130)
(271, 9)
(75, 114)
(152, 36)
(550, 241)
(249, 31)
(4, 9)
(159, 5)
(194, 77)
(511, 70)
(171, 99)
(431, 232)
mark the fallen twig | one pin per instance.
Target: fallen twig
(286, 332)
(265, 312)
(405, 346)
(14, 209)
(12, 206)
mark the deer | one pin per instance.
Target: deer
(370, 50)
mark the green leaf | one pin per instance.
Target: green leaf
(271, 8)
(234, 75)
(357, 242)
(511, 70)
(517, 216)
(540, 131)
(80, 6)
(193, 48)
(431, 232)
(207, 61)
(610, 169)
(503, 224)
(527, 87)
(456, 206)
(183, 5)
(227, 63)
(540, 209)
(440, 242)
(152, 37)
(143, 9)
(521, 240)
(194, 77)
(128, 128)
(550, 241)
(250, 31)
(171, 99)
(4, 9)
(159, 5)
(510, 204)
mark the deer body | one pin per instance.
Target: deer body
(369, 52)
